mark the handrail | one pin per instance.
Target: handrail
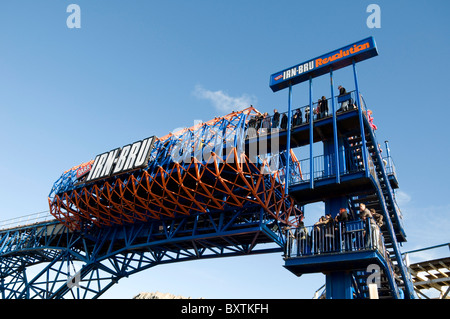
(338, 237)
(261, 125)
(426, 248)
(397, 216)
(325, 166)
(400, 263)
(26, 220)
(389, 165)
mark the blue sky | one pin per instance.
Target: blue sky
(141, 68)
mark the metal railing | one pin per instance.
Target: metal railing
(333, 237)
(350, 161)
(389, 165)
(261, 125)
(339, 238)
(30, 219)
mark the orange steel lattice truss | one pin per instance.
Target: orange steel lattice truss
(194, 171)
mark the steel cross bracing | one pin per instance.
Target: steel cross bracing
(109, 242)
(194, 170)
(51, 261)
(201, 196)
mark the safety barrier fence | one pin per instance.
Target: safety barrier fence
(335, 237)
(377, 181)
(389, 165)
(325, 166)
(300, 116)
(30, 219)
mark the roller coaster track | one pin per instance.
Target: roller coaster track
(169, 211)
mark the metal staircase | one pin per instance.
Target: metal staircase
(383, 201)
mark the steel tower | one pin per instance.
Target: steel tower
(358, 252)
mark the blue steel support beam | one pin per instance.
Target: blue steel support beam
(363, 135)
(105, 255)
(339, 285)
(311, 136)
(288, 146)
(335, 135)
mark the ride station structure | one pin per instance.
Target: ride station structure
(360, 257)
(228, 187)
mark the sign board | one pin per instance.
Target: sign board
(83, 170)
(336, 59)
(119, 160)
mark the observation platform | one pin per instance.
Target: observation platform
(333, 262)
(355, 178)
(332, 249)
(349, 245)
(322, 130)
(350, 170)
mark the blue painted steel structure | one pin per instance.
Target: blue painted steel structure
(367, 182)
(351, 171)
(97, 239)
(77, 264)
(188, 204)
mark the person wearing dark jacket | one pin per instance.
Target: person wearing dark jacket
(342, 90)
(344, 103)
(275, 118)
(323, 107)
(341, 219)
(284, 121)
(297, 118)
(342, 216)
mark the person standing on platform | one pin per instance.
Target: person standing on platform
(341, 220)
(377, 217)
(298, 117)
(265, 124)
(364, 213)
(323, 107)
(275, 119)
(284, 120)
(344, 103)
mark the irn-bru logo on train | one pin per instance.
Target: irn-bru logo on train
(322, 61)
(119, 160)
